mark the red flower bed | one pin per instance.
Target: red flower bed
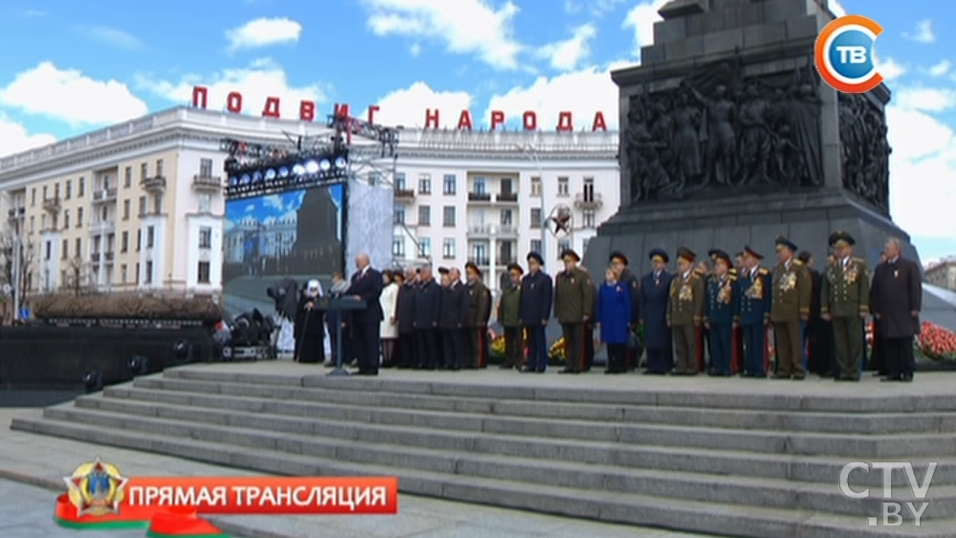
(937, 343)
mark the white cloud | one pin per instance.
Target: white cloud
(30, 13)
(889, 68)
(263, 78)
(406, 107)
(568, 54)
(640, 19)
(15, 138)
(71, 96)
(940, 69)
(922, 33)
(113, 37)
(571, 7)
(264, 32)
(583, 93)
(925, 100)
(415, 49)
(463, 26)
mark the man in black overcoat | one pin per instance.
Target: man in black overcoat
(366, 286)
(896, 297)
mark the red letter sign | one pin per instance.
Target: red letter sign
(530, 120)
(234, 102)
(307, 111)
(599, 122)
(464, 121)
(271, 108)
(342, 110)
(371, 113)
(497, 119)
(200, 96)
(564, 122)
(431, 118)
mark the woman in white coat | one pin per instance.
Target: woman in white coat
(389, 329)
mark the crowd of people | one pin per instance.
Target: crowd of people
(715, 315)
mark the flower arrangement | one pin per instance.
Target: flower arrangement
(498, 347)
(557, 352)
(936, 343)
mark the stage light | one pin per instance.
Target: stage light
(325, 165)
(284, 171)
(246, 179)
(93, 381)
(312, 167)
(270, 174)
(257, 177)
(234, 181)
(298, 170)
(138, 365)
(341, 163)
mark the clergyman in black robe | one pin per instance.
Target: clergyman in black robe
(310, 325)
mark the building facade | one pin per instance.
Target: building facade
(942, 274)
(140, 205)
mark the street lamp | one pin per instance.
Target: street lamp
(530, 150)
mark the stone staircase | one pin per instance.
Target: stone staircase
(761, 466)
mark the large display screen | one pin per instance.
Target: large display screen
(296, 234)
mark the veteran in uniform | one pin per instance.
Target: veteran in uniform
(790, 310)
(844, 292)
(653, 292)
(574, 302)
(685, 312)
(720, 313)
(753, 306)
(479, 312)
(534, 311)
(626, 277)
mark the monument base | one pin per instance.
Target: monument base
(755, 219)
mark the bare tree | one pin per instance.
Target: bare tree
(79, 278)
(9, 243)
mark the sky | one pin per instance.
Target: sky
(273, 207)
(70, 67)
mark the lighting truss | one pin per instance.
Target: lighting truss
(284, 172)
(387, 137)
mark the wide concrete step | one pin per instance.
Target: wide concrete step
(160, 403)
(297, 437)
(414, 404)
(663, 392)
(710, 518)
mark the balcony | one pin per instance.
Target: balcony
(108, 256)
(405, 194)
(480, 261)
(51, 204)
(488, 230)
(511, 197)
(153, 184)
(479, 197)
(95, 257)
(594, 201)
(101, 227)
(16, 212)
(205, 183)
(104, 195)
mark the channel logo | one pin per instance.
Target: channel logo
(844, 54)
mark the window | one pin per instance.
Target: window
(64, 249)
(399, 215)
(400, 181)
(139, 242)
(158, 204)
(66, 218)
(507, 218)
(142, 206)
(143, 171)
(33, 197)
(536, 245)
(56, 191)
(448, 248)
(506, 187)
(124, 241)
(563, 187)
(425, 184)
(398, 246)
(150, 236)
(589, 218)
(32, 222)
(205, 203)
(159, 168)
(205, 167)
(123, 275)
(78, 248)
(49, 250)
(79, 217)
(202, 273)
(481, 185)
(44, 193)
(148, 277)
(450, 184)
(589, 189)
(563, 245)
(535, 217)
(425, 247)
(126, 209)
(81, 187)
(137, 273)
(105, 214)
(448, 216)
(68, 190)
(128, 177)
(205, 237)
(424, 215)
(584, 245)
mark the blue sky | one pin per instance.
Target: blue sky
(73, 66)
(273, 206)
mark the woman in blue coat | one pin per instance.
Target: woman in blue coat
(614, 313)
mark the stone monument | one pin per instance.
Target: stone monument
(729, 137)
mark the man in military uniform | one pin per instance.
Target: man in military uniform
(753, 305)
(509, 316)
(737, 357)
(476, 325)
(703, 270)
(720, 313)
(627, 278)
(428, 301)
(844, 292)
(534, 311)
(653, 292)
(790, 310)
(574, 298)
(685, 312)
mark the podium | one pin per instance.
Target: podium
(341, 304)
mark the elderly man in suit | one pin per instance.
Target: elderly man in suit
(366, 286)
(896, 298)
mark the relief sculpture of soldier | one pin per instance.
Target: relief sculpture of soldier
(721, 142)
(865, 150)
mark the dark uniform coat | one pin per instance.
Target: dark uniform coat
(754, 297)
(509, 307)
(845, 292)
(574, 297)
(792, 289)
(630, 280)
(686, 302)
(406, 308)
(479, 304)
(454, 307)
(428, 301)
(721, 300)
(537, 293)
(653, 294)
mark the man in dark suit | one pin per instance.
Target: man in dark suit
(896, 298)
(534, 311)
(454, 317)
(407, 356)
(366, 286)
(654, 293)
(427, 313)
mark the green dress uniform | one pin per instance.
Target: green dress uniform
(509, 316)
(844, 292)
(574, 303)
(685, 314)
(789, 310)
